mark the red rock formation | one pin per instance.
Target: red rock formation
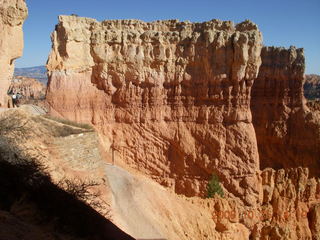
(290, 206)
(173, 96)
(29, 88)
(312, 87)
(12, 16)
(288, 134)
(314, 216)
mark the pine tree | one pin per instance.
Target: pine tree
(214, 187)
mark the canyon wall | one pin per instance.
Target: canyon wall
(288, 133)
(12, 15)
(171, 98)
(289, 209)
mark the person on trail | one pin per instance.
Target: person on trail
(14, 100)
(18, 98)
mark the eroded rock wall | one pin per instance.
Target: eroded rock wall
(288, 210)
(173, 97)
(12, 15)
(288, 133)
(290, 198)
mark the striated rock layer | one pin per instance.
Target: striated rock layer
(12, 15)
(173, 97)
(288, 133)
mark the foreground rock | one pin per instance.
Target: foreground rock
(12, 15)
(174, 97)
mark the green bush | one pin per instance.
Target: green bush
(214, 187)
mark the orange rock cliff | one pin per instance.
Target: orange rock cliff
(12, 15)
(175, 99)
(288, 133)
(175, 96)
(178, 101)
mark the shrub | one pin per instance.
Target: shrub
(13, 122)
(65, 207)
(214, 187)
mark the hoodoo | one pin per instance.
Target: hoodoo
(175, 96)
(12, 15)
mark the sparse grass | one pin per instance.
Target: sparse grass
(70, 123)
(58, 130)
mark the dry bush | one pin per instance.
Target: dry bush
(13, 128)
(67, 210)
(13, 123)
(82, 191)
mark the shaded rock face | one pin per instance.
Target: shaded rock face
(173, 97)
(12, 15)
(29, 88)
(314, 216)
(311, 87)
(288, 134)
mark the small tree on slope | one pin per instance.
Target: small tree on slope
(214, 187)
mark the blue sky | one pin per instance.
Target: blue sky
(282, 22)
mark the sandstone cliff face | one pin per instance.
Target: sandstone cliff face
(288, 134)
(12, 15)
(289, 207)
(173, 97)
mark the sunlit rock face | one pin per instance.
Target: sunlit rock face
(173, 96)
(288, 133)
(12, 15)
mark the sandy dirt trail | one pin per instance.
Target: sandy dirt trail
(129, 197)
